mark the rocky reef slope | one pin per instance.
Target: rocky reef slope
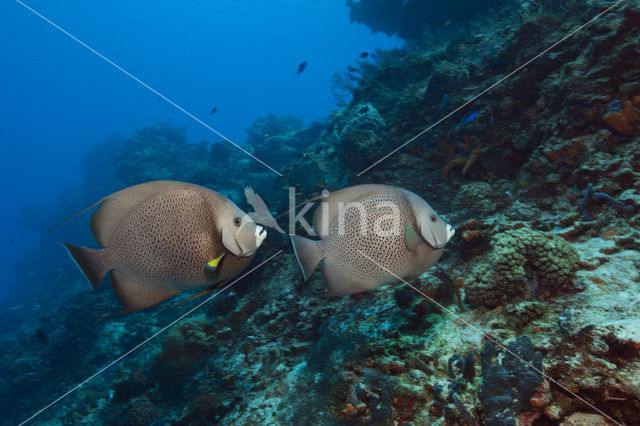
(540, 174)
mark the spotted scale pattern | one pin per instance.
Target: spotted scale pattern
(390, 251)
(166, 240)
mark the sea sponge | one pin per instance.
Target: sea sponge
(509, 384)
(625, 121)
(523, 263)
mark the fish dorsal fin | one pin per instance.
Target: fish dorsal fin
(329, 205)
(411, 238)
(118, 205)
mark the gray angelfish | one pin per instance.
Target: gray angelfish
(367, 231)
(164, 237)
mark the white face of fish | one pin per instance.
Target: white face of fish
(435, 231)
(240, 234)
(248, 235)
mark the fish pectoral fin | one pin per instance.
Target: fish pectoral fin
(135, 296)
(202, 293)
(411, 238)
(212, 265)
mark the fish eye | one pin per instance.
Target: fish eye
(433, 218)
(237, 221)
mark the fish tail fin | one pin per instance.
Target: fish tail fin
(307, 253)
(89, 261)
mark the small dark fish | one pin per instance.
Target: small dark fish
(301, 68)
(213, 111)
(11, 241)
(469, 118)
(364, 55)
(364, 109)
(445, 102)
(42, 336)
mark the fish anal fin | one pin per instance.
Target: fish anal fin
(338, 282)
(135, 296)
(90, 262)
(202, 293)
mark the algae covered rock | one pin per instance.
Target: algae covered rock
(480, 197)
(362, 137)
(523, 263)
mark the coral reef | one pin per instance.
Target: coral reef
(526, 268)
(508, 387)
(523, 263)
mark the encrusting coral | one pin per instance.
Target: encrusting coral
(523, 263)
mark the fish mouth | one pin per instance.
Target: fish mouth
(451, 231)
(249, 252)
(260, 234)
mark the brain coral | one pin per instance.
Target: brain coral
(523, 263)
(140, 411)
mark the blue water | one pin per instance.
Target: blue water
(59, 99)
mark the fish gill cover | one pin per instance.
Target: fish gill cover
(527, 269)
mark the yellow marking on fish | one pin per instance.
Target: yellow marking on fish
(214, 263)
(446, 24)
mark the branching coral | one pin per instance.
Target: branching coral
(342, 86)
(523, 263)
(469, 159)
